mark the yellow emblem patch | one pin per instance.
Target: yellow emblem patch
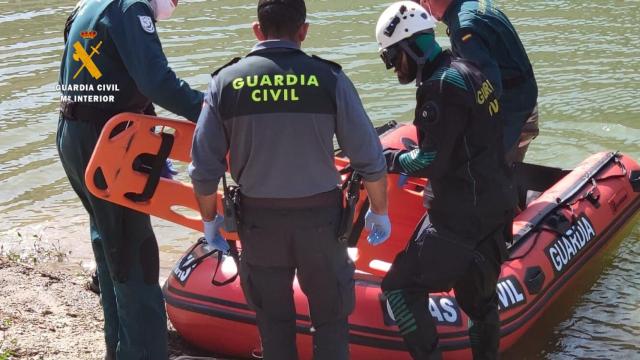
(83, 57)
(466, 37)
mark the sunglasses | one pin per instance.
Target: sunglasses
(389, 56)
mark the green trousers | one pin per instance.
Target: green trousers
(126, 254)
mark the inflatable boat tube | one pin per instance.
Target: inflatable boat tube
(569, 217)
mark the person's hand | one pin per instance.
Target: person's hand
(379, 227)
(213, 236)
(389, 157)
(168, 171)
(392, 157)
(402, 180)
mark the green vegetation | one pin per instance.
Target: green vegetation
(6, 354)
(32, 249)
(7, 351)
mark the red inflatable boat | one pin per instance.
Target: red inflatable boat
(569, 218)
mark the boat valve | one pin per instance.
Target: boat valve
(634, 179)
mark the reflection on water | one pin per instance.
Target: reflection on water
(586, 60)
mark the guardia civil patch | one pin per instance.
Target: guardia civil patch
(147, 24)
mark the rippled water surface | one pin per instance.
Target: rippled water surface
(587, 61)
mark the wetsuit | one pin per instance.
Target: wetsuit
(483, 34)
(276, 112)
(461, 244)
(113, 62)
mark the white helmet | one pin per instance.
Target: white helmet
(400, 21)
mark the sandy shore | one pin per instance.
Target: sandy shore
(47, 312)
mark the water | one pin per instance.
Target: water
(586, 57)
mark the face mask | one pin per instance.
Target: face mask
(163, 9)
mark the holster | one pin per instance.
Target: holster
(351, 190)
(231, 206)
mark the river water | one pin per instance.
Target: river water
(587, 62)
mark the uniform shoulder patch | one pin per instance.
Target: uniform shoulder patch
(331, 63)
(147, 24)
(233, 61)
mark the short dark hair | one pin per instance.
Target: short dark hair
(281, 18)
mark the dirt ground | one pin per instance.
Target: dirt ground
(47, 312)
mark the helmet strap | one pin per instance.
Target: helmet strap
(422, 49)
(419, 60)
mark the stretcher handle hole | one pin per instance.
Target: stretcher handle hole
(183, 211)
(119, 128)
(99, 180)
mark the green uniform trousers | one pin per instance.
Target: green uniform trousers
(126, 254)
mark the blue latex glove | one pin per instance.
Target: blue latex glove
(213, 236)
(402, 180)
(168, 170)
(379, 227)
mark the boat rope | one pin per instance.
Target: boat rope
(233, 252)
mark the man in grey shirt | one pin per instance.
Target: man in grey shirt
(275, 113)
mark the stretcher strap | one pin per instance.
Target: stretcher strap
(156, 169)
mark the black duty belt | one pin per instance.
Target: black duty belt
(516, 81)
(325, 199)
(85, 113)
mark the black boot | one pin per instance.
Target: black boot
(94, 284)
(485, 340)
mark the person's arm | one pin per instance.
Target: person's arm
(377, 191)
(359, 141)
(409, 162)
(442, 124)
(208, 165)
(137, 42)
(208, 206)
(442, 136)
(208, 155)
(469, 45)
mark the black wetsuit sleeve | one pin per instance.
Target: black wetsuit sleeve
(441, 125)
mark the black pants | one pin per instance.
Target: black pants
(434, 262)
(281, 239)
